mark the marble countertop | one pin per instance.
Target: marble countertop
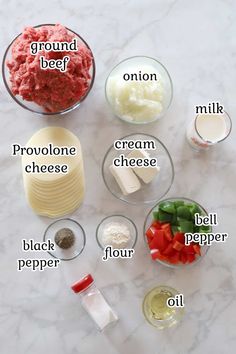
(38, 312)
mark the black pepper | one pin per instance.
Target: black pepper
(65, 238)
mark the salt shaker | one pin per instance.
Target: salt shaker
(94, 303)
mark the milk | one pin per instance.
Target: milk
(211, 127)
(206, 130)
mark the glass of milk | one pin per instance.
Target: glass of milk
(208, 129)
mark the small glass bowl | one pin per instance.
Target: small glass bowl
(80, 239)
(175, 315)
(151, 192)
(167, 85)
(149, 220)
(31, 106)
(118, 219)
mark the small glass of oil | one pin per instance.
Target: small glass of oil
(156, 310)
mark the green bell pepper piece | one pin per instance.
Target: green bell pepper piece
(164, 217)
(167, 207)
(155, 215)
(184, 212)
(204, 229)
(178, 203)
(186, 226)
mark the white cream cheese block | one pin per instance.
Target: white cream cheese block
(126, 179)
(146, 174)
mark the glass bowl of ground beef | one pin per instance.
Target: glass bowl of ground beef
(48, 69)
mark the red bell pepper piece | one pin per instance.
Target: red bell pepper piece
(153, 244)
(183, 257)
(154, 254)
(163, 258)
(179, 236)
(164, 223)
(149, 236)
(156, 224)
(174, 258)
(177, 245)
(188, 249)
(161, 240)
(197, 249)
(151, 232)
(169, 251)
(167, 230)
(191, 258)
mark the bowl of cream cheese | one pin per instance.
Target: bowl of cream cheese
(138, 169)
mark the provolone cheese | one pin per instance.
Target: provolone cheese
(52, 194)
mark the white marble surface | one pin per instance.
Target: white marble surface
(38, 312)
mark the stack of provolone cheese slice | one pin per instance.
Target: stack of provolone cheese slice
(54, 194)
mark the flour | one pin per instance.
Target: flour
(116, 234)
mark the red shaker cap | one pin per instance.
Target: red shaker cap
(82, 284)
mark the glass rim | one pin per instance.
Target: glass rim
(67, 110)
(208, 141)
(167, 264)
(121, 216)
(134, 57)
(132, 202)
(83, 236)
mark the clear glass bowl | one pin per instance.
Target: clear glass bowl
(118, 219)
(151, 192)
(149, 220)
(171, 317)
(80, 239)
(31, 106)
(166, 82)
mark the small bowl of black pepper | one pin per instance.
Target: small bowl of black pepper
(69, 239)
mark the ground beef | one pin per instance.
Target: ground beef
(52, 89)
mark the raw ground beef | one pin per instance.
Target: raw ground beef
(52, 89)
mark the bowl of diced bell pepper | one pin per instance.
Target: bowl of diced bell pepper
(165, 228)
